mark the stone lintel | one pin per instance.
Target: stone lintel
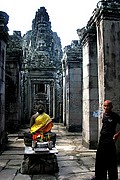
(42, 80)
(73, 58)
(89, 34)
(32, 69)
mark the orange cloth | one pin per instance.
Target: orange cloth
(40, 122)
(43, 124)
(47, 128)
(40, 134)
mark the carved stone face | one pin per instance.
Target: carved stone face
(41, 45)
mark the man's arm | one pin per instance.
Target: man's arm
(115, 137)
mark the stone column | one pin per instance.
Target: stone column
(51, 99)
(64, 91)
(3, 41)
(73, 89)
(30, 98)
(54, 100)
(90, 89)
(108, 35)
(32, 109)
(48, 97)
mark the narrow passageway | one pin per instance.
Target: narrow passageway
(75, 161)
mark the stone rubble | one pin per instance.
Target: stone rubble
(75, 161)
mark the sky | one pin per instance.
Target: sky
(66, 16)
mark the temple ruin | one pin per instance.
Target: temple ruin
(73, 84)
(33, 72)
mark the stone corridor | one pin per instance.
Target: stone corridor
(75, 161)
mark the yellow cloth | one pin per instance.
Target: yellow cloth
(41, 121)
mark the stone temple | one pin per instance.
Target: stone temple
(33, 72)
(73, 83)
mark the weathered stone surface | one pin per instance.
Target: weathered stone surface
(41, 65)
(3, 163)
(22, 177)
(13, 76)
(8, 174)
(33, 64)
(74, 163)
(12, 156)
(90, 89)
(39, 164)
(43, 177)
(72, 86)
(108, 56)
(18, 152)
(14, 163)
(3, 44)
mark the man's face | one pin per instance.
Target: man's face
(107, 106)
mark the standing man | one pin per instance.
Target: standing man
(106, 158)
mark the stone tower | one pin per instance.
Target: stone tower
(41, 67)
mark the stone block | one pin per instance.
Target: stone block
(85, 71)
(44, 177)
(93, 93)
(93, 71)
(75, 71)
(40, 164)
(22, 177)
(86, 82)
(14, 163)
(8, 174)
(3, 163)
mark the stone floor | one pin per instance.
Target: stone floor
(75, 161)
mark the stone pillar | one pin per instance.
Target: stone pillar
(30, 96)
(51, 100)
(108, 38)
(53, 103)
(73, 63)
(64, 91)
(3, 41)
(90, 89)
(48, 97)
(108, 35)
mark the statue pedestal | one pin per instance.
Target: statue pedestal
(39, 161)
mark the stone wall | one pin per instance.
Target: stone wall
(13, 76)
(3, 43)
(108, 37)
(101, 55)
